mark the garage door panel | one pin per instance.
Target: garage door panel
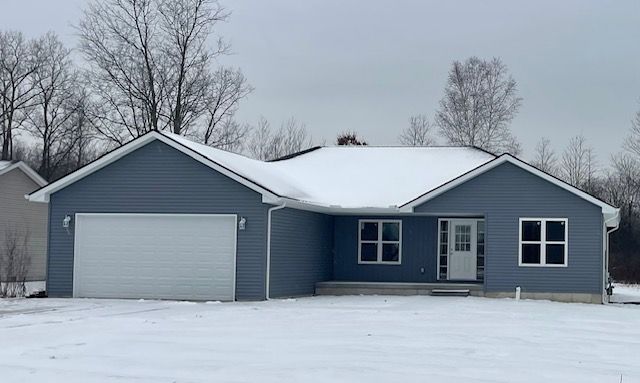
(155, 256)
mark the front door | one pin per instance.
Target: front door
(463, 257)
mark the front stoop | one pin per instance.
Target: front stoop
(398, 288)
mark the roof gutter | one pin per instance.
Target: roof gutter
(282, 205)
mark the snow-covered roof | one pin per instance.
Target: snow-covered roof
(352, 176)
(365, 179)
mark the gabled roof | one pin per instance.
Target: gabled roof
(609, 211)
(337, 179)
(7, 166)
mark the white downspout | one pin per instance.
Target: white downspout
(606, 257)
(268, 273)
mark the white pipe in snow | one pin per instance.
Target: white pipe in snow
(517, 293)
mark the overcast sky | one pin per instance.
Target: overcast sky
(367, 66)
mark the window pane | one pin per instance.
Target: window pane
(555, 231)
(369, 231)
(531, 253)
(555, 254)
(443, 249)
(390, 252)
(531, 230)
(390, 231)
(444, 225)
(369, 252)
(443, 261)
(462, 237)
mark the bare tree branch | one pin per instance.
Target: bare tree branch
(418, 133)
(545, 157)
(480, 102)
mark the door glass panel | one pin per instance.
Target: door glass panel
(462, 238)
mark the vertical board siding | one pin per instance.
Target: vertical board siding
(159, 179)
(301, 252)
(503, 195)
(19, 216)
(419, 242)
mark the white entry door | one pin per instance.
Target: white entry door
(155, 256)
(463, 259)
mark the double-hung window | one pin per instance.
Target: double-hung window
(543, 242)
(379, 241)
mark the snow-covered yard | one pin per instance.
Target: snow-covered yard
(320, 339)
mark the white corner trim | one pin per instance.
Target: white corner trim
(543, 242)
(35, 177)
(607, 209)
(42, 195)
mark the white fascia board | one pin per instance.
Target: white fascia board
(26, 170)
(42, 195)
(607, 210)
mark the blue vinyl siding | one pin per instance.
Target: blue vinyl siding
(503, 195)
(301, 252)
(159, 179)
(419, 242)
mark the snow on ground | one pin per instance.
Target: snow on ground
(319, 339)
(625, 293)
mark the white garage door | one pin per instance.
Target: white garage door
(155, 256)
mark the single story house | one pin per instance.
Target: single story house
(23, 225)
(165, 217)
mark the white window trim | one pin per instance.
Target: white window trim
(379, 241)
(543, 242)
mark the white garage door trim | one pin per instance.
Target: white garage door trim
(76, 232)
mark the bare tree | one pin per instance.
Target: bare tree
(120, 41)
(227, 88)
(350, 139)
(418, 133)
(480, 101)
(578, 166)
(17, 63)
(266, 145)
(50, 115)
(151, 68)
(545, 157)
(14, 263)
(622, 186)
(632, 144)
(187, 25)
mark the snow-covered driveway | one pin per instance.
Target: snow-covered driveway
(320, 339)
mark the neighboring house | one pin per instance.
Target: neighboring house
(164, 217)
(21, 220)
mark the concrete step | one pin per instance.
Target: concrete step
(450, 292)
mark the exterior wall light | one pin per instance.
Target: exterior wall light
(66, 221)
(242, 224)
